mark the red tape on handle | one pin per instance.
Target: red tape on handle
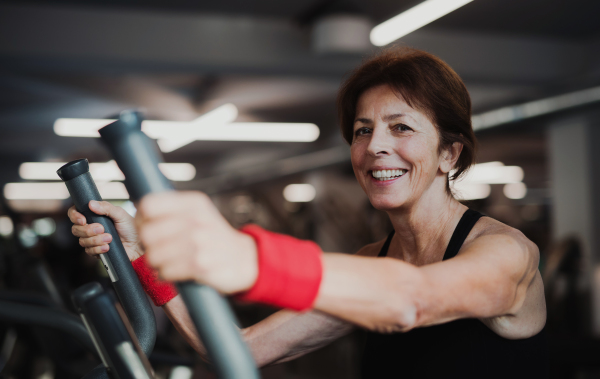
(289, 270)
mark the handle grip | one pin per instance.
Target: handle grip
(109, 329)
(138, 158)
(82, 189)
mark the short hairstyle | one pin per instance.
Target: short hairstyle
(427, 84)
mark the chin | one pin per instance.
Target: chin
(387, 204)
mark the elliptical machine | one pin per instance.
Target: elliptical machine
(123, 348)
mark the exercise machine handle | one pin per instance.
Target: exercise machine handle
(138, 157)
(82, 189)
(110, 330)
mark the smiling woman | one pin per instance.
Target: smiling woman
(423, 82)
(449, 293)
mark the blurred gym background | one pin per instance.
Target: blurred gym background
(246, 93)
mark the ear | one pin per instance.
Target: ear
(450, 156)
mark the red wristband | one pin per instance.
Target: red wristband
(160, 292)
(289, 270)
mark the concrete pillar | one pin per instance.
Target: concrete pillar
(574, 163)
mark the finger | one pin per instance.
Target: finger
(153, 232)
(87, 230)
(100, 240)
(176, 271)
(94, 251)
(173, 249)
(75, 217)
(104, 208)
(164, 203)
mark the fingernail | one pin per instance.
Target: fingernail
(98, 229)
(104, 248)
(81, 221)
(107, 238)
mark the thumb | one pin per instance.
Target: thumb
(104, 208)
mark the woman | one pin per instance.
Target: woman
(447, 294)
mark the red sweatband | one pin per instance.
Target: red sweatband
(160, 292)
(289, 270)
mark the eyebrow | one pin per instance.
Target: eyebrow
(388, 117)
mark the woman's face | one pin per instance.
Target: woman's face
(394, 150)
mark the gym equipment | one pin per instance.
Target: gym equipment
(115, 341)
(138, 157)
(81, 186)
(106, 325)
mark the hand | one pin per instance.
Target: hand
(186, 238)
(92, 236)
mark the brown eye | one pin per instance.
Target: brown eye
(403, 128)
(362, 132)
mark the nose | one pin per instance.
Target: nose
(379, 145)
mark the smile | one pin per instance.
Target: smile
(384, 175)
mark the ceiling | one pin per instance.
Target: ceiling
(180, 58)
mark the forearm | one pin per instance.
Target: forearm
(379, 294)
(287, 335)
(389, 295)
(177, 312)
(283, 336)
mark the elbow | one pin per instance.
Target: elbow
(396, 318)
(403, 308)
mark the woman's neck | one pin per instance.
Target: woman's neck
(423, 229)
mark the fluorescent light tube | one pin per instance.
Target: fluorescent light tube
(35, 191)
(58, 191)
(108, 171)
(413, 19)
(299, 193)
(216, 118)
(470, 191)
(535, 108)
(216, 125)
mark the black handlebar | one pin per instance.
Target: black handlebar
(115, 341)
(28, 314)
(82, 188)
(138, 158)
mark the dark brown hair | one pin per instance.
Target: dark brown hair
(427, 84)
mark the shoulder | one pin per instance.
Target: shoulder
(492, 235)
(489, 230)
(372, 249)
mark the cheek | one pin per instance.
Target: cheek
(424, 156)
(357, 154)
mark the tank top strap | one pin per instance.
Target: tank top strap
(466, 223)
(464, 227)
(386, 246)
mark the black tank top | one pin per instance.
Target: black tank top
(464, 348)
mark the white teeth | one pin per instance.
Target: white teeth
(384, 175)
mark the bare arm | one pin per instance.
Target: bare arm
(490, 279)
(281, 337)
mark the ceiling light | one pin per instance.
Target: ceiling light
(44, 227)
(470, 191)
(38, 191)
(107, 171)
(493, 173)
(6, 226)
(58, 191)
(413, 19)
(262, 131)
(515, 190)
(216, 118)
(299, 193)
(535, 108)
(173, 134)
(112, 191)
